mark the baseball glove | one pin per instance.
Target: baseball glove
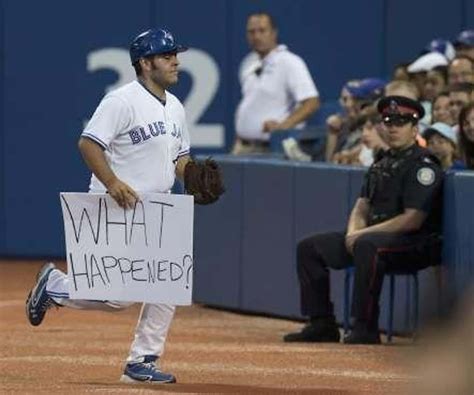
(203, 180)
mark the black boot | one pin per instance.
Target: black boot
(321, 329)
(363, 333)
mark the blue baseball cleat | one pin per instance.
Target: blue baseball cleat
(146, 372)
(38, 301)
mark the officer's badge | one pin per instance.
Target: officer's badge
(425, 176)
(393, 107)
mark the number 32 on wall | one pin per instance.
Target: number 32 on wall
(205, 80)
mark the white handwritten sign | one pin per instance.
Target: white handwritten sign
(142, 254)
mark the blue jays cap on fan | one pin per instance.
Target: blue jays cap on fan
(465, 39)
(153, 42)
(366, 89)
(444, 47)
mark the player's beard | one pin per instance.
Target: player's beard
(164, 80)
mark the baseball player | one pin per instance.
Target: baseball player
(136, 141)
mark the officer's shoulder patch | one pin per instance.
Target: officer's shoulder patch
(425, 176)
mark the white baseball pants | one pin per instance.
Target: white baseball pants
(153, 323)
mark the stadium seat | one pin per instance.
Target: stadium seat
(412, 299)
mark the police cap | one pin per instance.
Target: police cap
(392, 107)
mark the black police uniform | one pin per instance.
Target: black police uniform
(411, 178)
(399, 179)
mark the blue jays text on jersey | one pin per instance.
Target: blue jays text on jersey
(154, 129)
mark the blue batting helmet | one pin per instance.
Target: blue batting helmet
(153, 42)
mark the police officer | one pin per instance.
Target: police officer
(393, 226)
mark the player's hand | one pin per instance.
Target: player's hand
(334, 123)
(124, 195)
(270, 126)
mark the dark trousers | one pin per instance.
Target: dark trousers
(374, 254)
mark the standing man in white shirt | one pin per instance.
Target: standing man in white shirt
(277, 89)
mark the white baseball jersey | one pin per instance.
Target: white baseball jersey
(271, 89)
(142, 138)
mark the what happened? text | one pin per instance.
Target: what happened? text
(139, 253)
(94, 271)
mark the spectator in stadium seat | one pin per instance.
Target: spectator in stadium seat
(441, 109)
(420, 70)
(364, 92)
(466, 135)
(374, 139)
(436, 82)
(339, 125)
(355, 152)
(442, 142)
(420, 67)
(460, 70)
(371, 141)
(459, 96)
(402, 88)
(277, 89)
(464, 44)
(400, 72)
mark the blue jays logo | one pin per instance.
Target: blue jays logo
(168, 36)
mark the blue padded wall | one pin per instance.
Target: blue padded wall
(463, 263)
(271, 204)
(321, 199)
(2, 135)
(267, 238)
(218, 243)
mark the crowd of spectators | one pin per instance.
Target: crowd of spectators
(395, 224)
(441, 79)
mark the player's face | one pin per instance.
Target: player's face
(164, 69)
(261, 35)
(400, 134)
